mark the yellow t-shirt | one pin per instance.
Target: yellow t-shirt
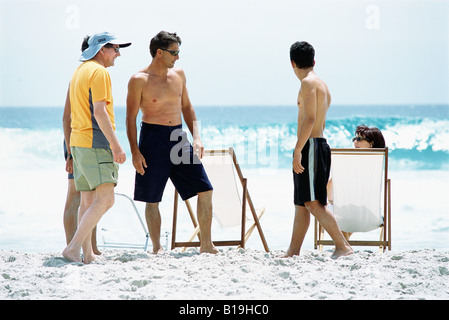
(90, 83)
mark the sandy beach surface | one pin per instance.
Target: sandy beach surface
(32, 267)
(231, 274)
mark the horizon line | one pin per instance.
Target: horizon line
(269, 106)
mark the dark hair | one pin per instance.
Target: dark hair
(373, 135)
(85, 45)
(162, 41)
(302, 54)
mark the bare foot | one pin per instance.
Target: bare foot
(208, 249)
(341, 253)
(96, 251)
(71, 256)
(291, 252)
(89, 258)
(158, 250)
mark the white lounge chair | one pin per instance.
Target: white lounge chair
(361, 196)
(231, 202)
(122, 226)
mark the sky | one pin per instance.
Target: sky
(235, 52)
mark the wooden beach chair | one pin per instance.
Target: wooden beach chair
(122, 226)
(231, 201)
(361, 197)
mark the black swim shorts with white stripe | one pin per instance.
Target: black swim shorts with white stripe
(311, 184)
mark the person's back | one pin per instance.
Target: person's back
(323, 99)
(311, 156)
(90, 82)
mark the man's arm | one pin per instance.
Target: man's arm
(305, 125)
(133, 101)
(67, 128)
(102, 117)
(190, 118)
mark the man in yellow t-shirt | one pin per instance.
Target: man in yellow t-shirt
(94, 146)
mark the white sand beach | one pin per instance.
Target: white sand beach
(231, 274)
(32, 267)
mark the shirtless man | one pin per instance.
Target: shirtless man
(311, 158)
(159, 91)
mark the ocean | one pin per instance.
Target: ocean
(33, 179)
(417, 136)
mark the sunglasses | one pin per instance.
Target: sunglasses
(173, 53)
(359, 138)
(117, 50)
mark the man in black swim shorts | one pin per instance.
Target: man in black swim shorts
(159, 91)
(311, 158)
(311, 185)
(170, 155)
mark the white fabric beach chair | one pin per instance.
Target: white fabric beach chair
(231, 201)
(122, 226)
(361, 196)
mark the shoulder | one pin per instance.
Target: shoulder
(312, 80)
(95, 69)
(98, 74)
(94, 65)
(308, 85)
(138, 79)
(180, 73)
(314, 84)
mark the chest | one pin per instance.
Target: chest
(163, 88)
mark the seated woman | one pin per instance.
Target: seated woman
(365, 137)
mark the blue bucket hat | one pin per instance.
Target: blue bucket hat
(97, 41)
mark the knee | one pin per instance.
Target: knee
(152, 206)
(312, 206)
(205, 193)
(105, 201)
(205, 196)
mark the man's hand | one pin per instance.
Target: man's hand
(198, 148)
(297, 166)
(69, 164)
(139, 162)
(118, 154)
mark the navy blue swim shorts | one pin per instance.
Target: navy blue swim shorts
(168, 154)
(311, 185)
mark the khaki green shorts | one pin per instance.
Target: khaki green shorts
(93, 167)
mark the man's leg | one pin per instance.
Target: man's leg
(153, 218)
(71, 210)
(100, 201)
(204, 214)
(327, 220)
(87, 200)
(300, 227)
(94, 242)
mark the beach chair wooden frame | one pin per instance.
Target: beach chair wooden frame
(384, 241)
(245, 201)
